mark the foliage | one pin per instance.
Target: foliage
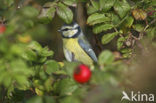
(29, 73)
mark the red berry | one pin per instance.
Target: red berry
(2, 28)
(82, 74)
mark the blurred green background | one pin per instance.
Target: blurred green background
(32, 64)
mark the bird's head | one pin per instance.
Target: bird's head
(72, 30)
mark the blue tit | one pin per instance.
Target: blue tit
(75, 45)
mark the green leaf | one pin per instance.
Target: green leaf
(49, 99)
(120, 42)
(106, 57)
(17, 49)
(64, 13)
(126, 50)
(8, 2)
(7, 81)
(98, 76)
(45, 52)
(91, 9)
(115, 19)
(103, 27)
(41, 59)
(51, 66)
(95, 4)
(42, 74)
(97, 18)
(138, 27)
(70, 2)
(47, 14)
(128, 22)
(22, 81)
(65, 86)
(106, 5)
(151, 33)
(35, 46)
(48, 84)
(153, 3)
(30, 12)
(36, 99)
(127, 55)
(32, 50)
(30, 55)
(68, 99)
(108, 37)
(50, 4)
(121, 7)
(70, 67)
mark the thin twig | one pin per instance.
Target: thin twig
(152, 22)
(147, 26)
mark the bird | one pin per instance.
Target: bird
(75, 45)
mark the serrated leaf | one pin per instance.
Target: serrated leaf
(121, 7)
(108, 37)
(97, 18)
(106, 5)
(106, 57)
(103, 27)
(64, 13)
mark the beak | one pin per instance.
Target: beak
(59, 30)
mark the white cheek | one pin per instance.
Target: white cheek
(73, 32)
(70, 33)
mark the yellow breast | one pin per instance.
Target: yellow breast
(79, 54)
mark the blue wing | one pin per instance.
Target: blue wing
(87, 48)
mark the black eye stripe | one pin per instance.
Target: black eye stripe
(65, 29)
